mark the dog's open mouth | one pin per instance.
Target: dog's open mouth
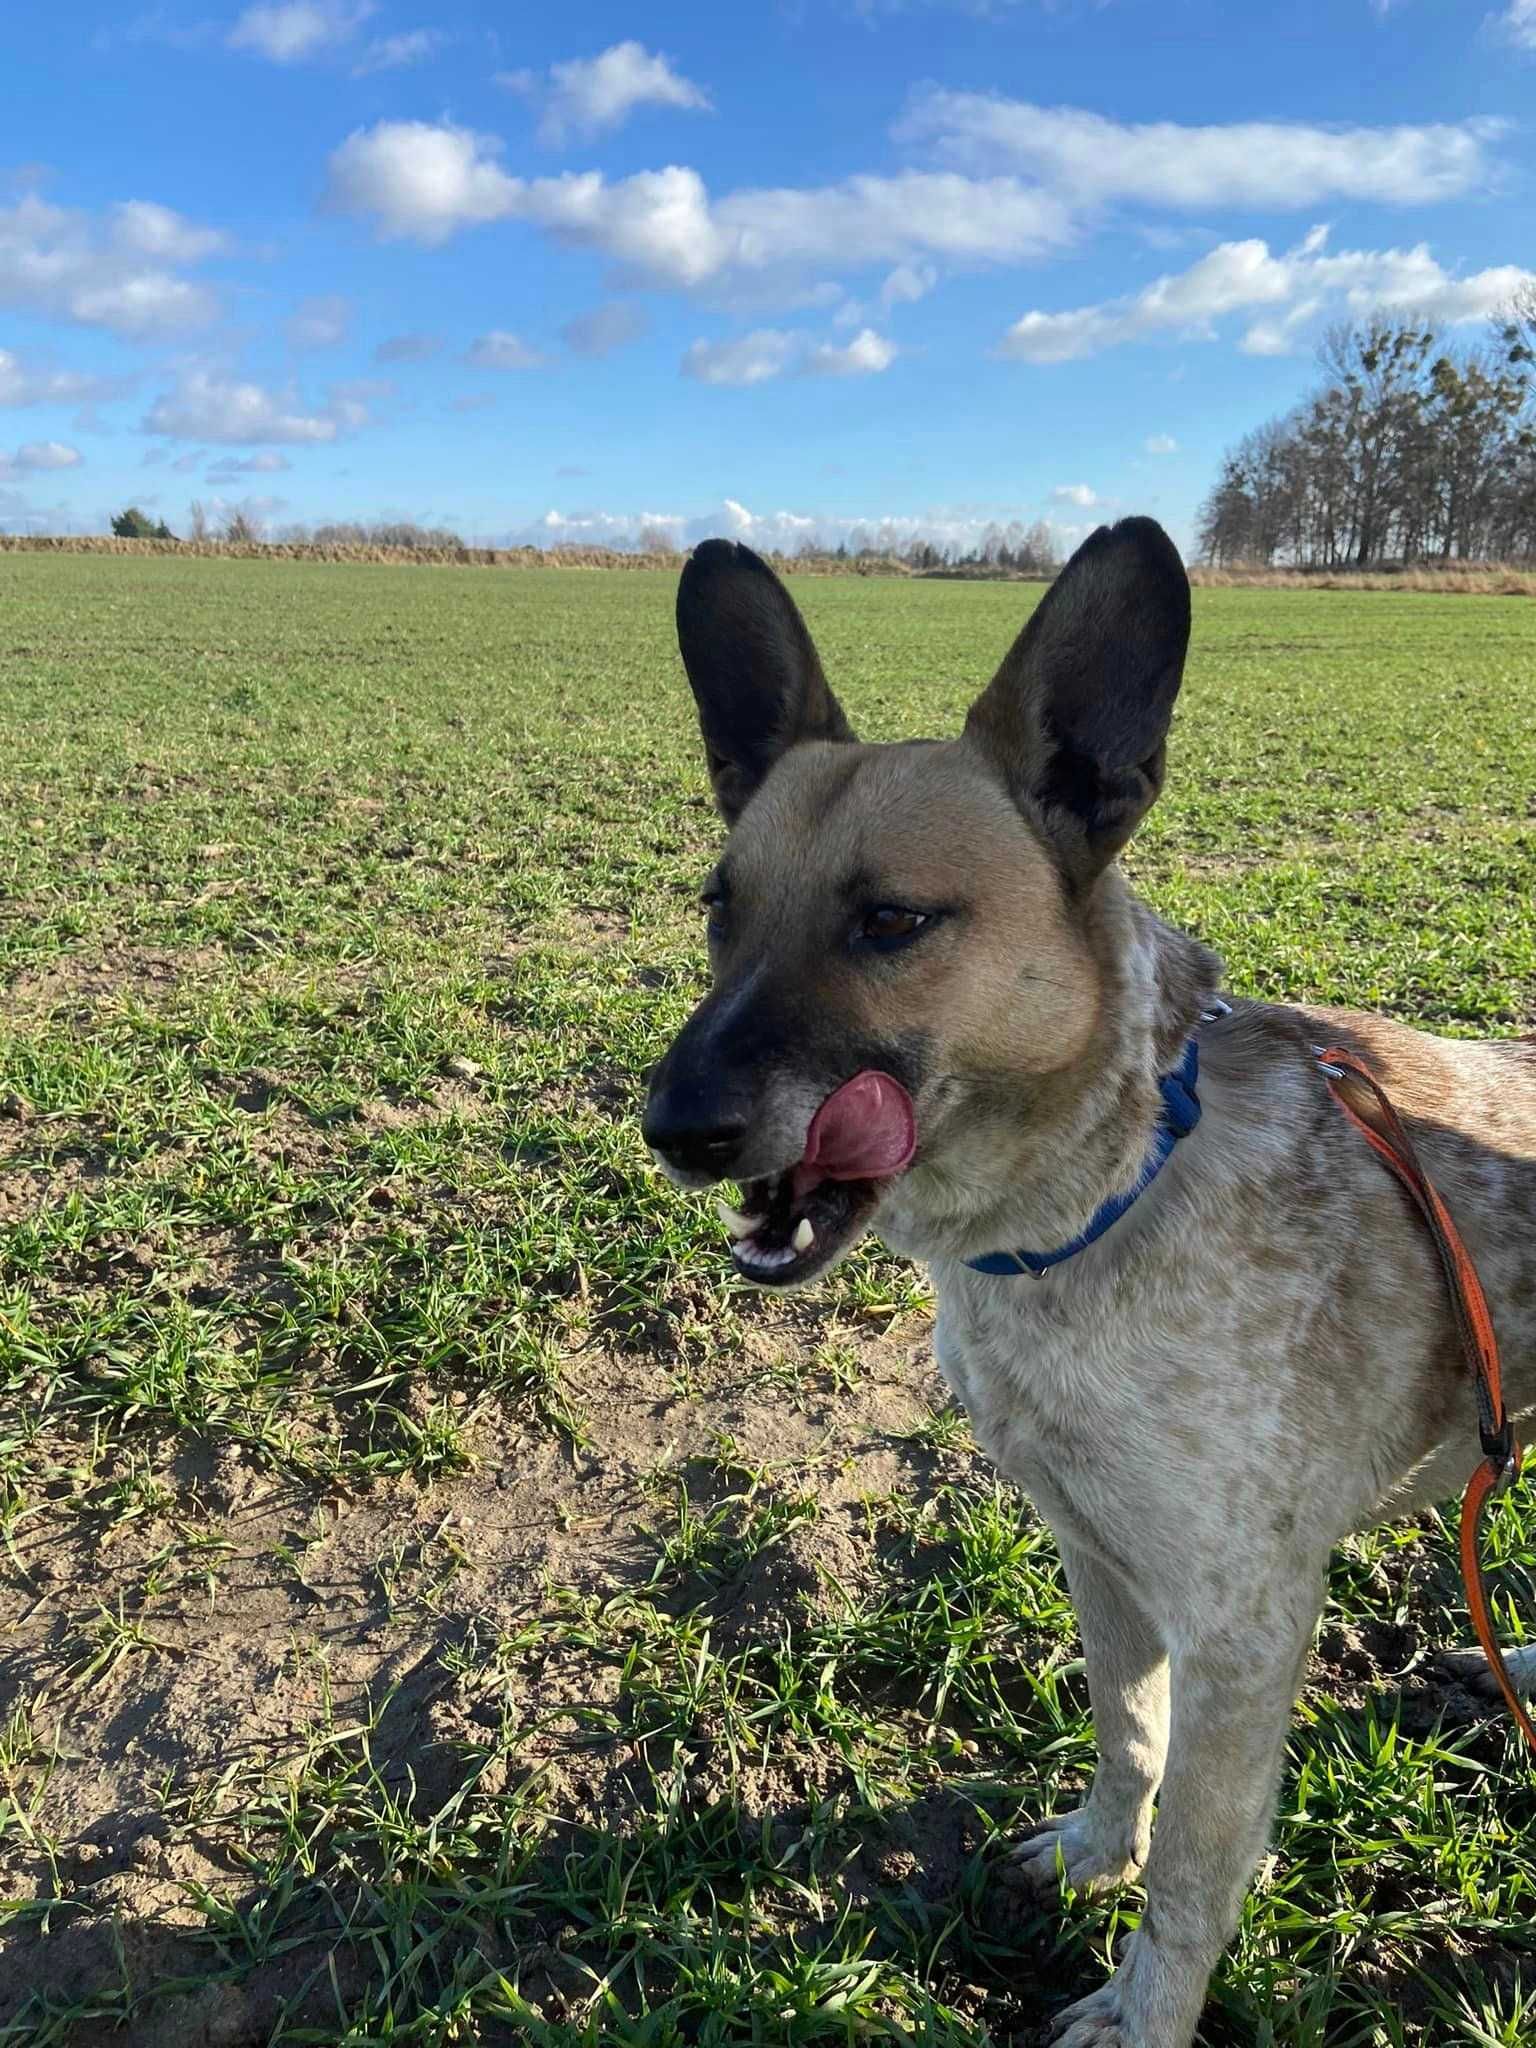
(794, 1224)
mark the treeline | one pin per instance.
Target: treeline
(1410, 452)
(1012, 550)
(384, 533)
(238, 527)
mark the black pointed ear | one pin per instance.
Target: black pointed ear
(1077, 716)
(754, 670)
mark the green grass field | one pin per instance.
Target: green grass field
(435, 1605)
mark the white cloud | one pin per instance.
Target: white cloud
(499, 350)
(866, 355)
(207, 407)
(139, 227)
(1082, 495)
(908, 283)
(1231, 164)
(1517, 23)
(39, 455)
(290, 31)
(143, 305)
(20, 385)
(1285, 292)
(898, 219)
(655, 224)
(421, 183)
(394, 53)
(408, 348)
(610, 326)
(590, 95)
(752, 359)
(426, 182)
(117, 270)
(1161, 444)
(770, 352)
(320, 322)
(268, 463)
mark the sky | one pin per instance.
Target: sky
(784, 271)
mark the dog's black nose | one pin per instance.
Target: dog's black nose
(693, 1135)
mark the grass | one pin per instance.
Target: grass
(439, 1608)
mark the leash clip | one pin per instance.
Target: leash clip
(1323, 1066)
(1502, 1451)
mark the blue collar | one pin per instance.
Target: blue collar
(1181, 1112)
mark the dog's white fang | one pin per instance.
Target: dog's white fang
(804, 1236)
(738, 1225)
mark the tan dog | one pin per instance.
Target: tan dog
(938, 1012)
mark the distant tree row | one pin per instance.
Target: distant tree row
(244, 529)
(1410, 451)
(1012, 550)
(388, 533)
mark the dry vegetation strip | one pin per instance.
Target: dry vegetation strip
(1475, 579)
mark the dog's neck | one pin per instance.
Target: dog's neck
(1028, 1160)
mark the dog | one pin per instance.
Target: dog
(1186, 1309)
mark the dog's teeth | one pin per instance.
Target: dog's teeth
(804, 1236)
(763, 1257)
(738, 1225)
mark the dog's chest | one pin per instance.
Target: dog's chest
(1033, 1373)
(1107, 1404)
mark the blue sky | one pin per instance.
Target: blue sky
(776, 270)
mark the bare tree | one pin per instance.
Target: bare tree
(240, 529)
(391, 533)
(198, 526)
(1409, 451)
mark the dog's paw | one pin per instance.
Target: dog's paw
(1472, 1669)
(1152, 2001)
(1094, 2022)
(1078, 1846)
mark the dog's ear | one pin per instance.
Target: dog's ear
(1077, 716)
(754, 670)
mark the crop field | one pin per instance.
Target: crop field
(436, 1605)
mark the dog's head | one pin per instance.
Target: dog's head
(896, 932)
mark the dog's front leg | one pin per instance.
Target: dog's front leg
(1234, 1684)
(1104, 1842)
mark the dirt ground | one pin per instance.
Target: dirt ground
(232, 1688)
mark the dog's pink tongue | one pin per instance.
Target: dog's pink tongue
(862, 1132)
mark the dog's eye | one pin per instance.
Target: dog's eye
(712, 903)
(888, 926)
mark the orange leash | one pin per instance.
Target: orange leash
(1500, 1464)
